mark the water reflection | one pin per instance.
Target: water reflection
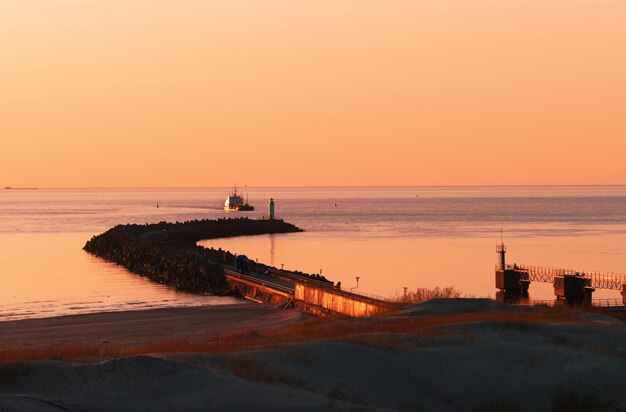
(50, 275)
(272, 260)
(386, 266)
(387, 236)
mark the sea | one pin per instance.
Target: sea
(380, 240)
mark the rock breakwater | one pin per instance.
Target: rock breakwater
(167, 253)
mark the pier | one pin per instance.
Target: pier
(168, 253)
(260, 288)
(310, 295)
(569, 284)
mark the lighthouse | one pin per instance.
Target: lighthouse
(501, 249)
(271, 209)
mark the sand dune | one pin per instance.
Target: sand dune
(476, 363)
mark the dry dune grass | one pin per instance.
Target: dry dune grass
(249, 368)
(370, 331)
(618, 314)
(424, 294)
(393, 342)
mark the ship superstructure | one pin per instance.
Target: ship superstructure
(235, 202)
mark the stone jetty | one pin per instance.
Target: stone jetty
(167, 253)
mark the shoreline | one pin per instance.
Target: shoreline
(121, 311)
(125, 329)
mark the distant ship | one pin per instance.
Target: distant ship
(234, 202)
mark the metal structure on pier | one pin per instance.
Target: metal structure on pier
(597, 280)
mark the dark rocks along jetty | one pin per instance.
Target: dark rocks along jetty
(167, 253)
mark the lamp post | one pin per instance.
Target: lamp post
(357, 283)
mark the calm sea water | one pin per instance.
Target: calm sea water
(390, 238)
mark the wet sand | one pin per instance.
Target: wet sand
(136, 328)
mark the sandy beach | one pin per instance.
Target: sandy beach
(441, 355)
(137, 328)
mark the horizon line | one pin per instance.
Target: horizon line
(312, 186)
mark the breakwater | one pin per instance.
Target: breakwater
(167, 253)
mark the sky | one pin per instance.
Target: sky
(196, 93)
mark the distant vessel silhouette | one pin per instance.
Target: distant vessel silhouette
(234, 202)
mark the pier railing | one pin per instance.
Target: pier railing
(325, 285)
(605, 303)
(260, 281)
(365, 294)
(597, 280)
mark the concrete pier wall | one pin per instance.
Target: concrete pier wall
(572, 287)
(259, 294)
(338, 302)
(512, 281)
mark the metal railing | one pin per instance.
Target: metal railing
(299, 278)
(606, 303)
(597, 280)
(325, 285)
(365, 295)
(260, 281)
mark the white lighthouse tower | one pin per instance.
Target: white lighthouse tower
(271, 209)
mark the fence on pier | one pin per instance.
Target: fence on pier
(304, 279)
(604, 303)
(597, 280)
(265, 284)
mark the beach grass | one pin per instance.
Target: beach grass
(376, 331)
(424, 294)
(253, 369)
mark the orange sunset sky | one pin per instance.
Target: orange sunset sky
(327, 92)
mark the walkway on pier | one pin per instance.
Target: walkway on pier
(597, 280)
(348, 292)
(311, 293)
(266, 283)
